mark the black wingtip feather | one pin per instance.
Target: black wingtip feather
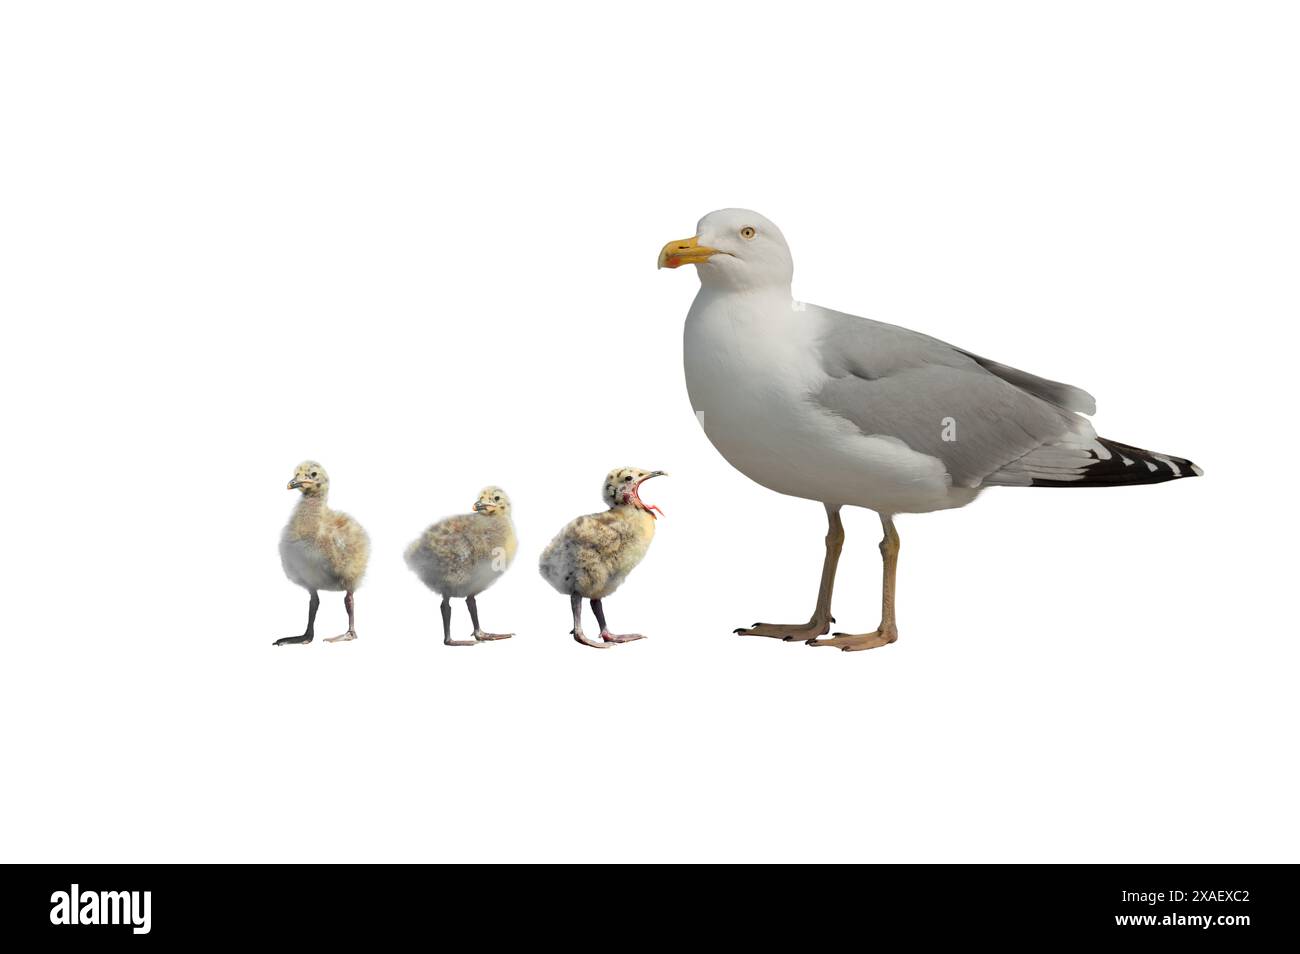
(1143, 467)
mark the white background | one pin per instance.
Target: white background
(417, 243)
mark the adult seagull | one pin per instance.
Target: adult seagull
(818, 404)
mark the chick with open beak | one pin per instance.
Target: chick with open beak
(462, 556)
(322, 549)
(592, 556)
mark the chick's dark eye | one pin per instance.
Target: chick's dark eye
(628, 477)
(496, 498)
(313, 474)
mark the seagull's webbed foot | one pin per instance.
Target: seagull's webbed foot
(790, 632)
(482, 637)
(580, 637)
(609, 637)
(302, 640)
(342, 637)
(850, 643)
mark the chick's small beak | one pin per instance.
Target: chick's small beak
(294, 484)
(685, 252)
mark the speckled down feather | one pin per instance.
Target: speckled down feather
(323, 549)
(463, 555)
(593, 554)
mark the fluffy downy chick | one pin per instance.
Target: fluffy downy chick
(321, 549)
(462, 556)
(593, 555)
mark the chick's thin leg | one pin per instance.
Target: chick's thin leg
(888, 630)
(821, 620)
(605, 634)
(446, 627)
(575, 602)
(351, 634)
(308, 636)
(479, 635)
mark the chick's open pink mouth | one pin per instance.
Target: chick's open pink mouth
(636, 496)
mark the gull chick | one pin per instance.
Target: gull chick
(462, 556)
(818, 404)
(593, 555)
(322, 549)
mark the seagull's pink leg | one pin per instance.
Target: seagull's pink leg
(820, 624)
(888, 629)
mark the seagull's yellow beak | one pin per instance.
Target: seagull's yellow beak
(685, 252)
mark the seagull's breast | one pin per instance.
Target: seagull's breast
(752, 363)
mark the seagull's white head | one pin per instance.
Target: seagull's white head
(736, 249)
(491, 501)
(310, 478)
(622, 485)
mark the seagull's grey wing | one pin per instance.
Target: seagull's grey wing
(944, 402)
(1054, 392)
(855, 344)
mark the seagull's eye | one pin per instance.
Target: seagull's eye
(748, 233)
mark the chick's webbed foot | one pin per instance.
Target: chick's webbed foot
(342, 637)
(302, 640)
(479, 635)
(606, 637)
(580, 637)
(310, 632)
(609, 637)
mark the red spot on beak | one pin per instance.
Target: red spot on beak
(673, 261)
